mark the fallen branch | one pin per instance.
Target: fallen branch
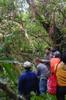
(8, 91)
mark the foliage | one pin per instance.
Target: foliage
(24, 32)
(44, 97)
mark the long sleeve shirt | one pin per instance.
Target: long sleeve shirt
(28, 82)
(42, 71)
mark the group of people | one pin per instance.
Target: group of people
(36, 81)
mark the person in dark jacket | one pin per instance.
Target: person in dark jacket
(28, 82)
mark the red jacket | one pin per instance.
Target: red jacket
(53, 63)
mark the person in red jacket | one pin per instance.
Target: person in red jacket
(55, 61)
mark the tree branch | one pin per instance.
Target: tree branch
(8, 91)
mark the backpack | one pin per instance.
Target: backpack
(52, 83)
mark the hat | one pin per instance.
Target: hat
(27, 64)
(56, 52)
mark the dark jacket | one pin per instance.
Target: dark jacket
(28, 82)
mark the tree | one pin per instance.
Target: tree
(52, 10)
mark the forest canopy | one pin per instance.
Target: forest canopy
(33, 22)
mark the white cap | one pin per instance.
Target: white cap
(27, 64)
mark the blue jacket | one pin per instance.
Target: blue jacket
(28, 82)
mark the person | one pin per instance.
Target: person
(42, 73)
(52, 80)
(28, 82)
(48, 56)
(55, 60)
(61, 78)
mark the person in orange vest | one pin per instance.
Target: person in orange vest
(54, 61)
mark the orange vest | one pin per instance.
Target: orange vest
(53, 63)
(61, 74)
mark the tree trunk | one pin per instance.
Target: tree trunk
(53, 31)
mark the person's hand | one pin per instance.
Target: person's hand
(20, 97)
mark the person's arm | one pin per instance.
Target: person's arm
(20, 86)
(47, 71)
(36, 85)
(38, 72)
